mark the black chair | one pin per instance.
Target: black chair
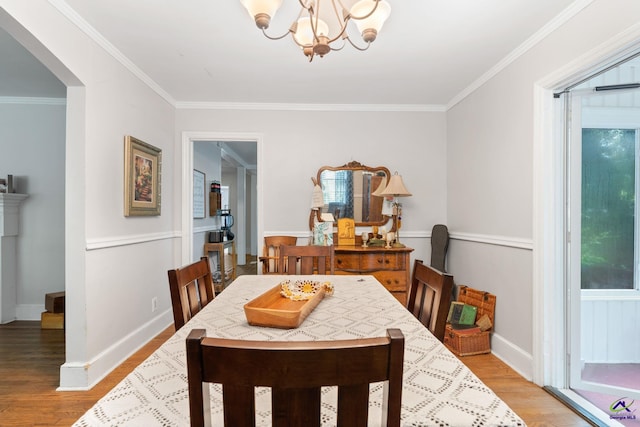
(439, 246)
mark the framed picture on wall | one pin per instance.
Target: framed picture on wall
(199, 191)
(142, 178)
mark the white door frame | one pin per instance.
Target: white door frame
(550, 318)
(188, 139)
(549, 339)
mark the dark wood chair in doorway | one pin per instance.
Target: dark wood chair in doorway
(191, 289)
(271, 252)
(430, 297)
(307, 259)
(295, 371)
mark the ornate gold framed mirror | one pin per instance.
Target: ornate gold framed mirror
(349, 191)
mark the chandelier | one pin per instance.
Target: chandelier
(320, 23)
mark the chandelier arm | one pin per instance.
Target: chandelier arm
(289, 31)
(314, 16)
(340, 34)
(339, 48)
(344, 19)
(275, 37)
(356, 46)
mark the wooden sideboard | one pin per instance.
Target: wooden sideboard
(392, 267)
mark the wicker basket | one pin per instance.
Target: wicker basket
(469, 344)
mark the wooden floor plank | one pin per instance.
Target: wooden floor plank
(534, 405)
(30, 360)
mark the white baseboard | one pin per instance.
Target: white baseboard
(29, 311)
(518, 359)
(76, 376)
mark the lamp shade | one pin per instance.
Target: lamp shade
(255, 7)
(381, 187)
(396, 187)
(317, 199)
(304, 31)
(373, 22)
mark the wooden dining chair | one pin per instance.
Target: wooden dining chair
(295, 371)
(309, 259)
(271, 252)
(430, 297)
(191, 289)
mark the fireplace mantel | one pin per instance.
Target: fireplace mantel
(9, 228)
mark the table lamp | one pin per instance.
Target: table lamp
(396, 189)
(317, 203)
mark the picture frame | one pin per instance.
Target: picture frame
(199, 192)
(142, 178)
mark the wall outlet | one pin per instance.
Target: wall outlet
(154, 304)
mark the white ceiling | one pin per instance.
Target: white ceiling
(428, 52)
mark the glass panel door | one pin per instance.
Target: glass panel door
(604, 302)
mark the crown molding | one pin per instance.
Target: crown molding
(94, 35)
(32, 100)
(571, 11)
(410, 108)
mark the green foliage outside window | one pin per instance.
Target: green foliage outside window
(608, 207)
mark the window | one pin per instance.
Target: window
(609, 182)
(338, 192)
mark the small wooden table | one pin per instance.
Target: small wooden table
(219, 249)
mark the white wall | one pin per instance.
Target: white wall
(412, 143)
(114, 265)
(206, 158)
(32, 140)
(490, 171)
(483, 191)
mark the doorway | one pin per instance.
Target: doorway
(230, 142)
(601, 294)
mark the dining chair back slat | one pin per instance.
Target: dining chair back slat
(271, 252)
(295, 371)
(191, 290)
(307, 259)
(430, 297)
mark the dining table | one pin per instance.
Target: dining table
(438, 389)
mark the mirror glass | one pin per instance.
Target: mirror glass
(348, 192)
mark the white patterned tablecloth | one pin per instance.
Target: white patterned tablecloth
(438, 390)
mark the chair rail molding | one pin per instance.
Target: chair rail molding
(134, 239)
(511, 242)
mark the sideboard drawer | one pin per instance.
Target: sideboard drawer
(348, 262)
(396, 261)
(394, 281)
(375, 261)
(389, 266)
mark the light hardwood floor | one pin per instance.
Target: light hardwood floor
(30, 360)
